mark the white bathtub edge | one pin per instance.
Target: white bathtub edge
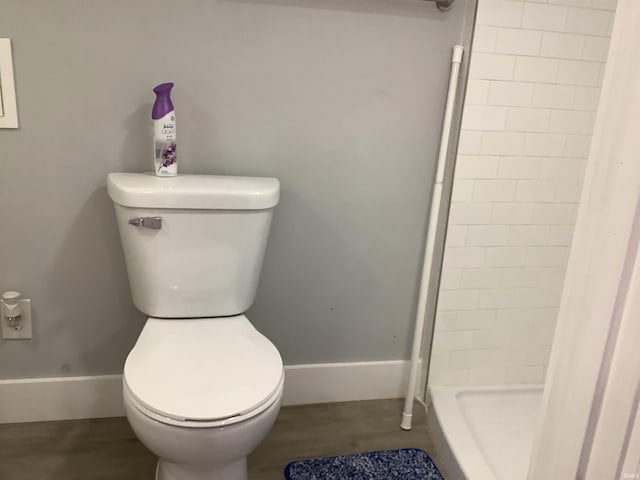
(449, 467)
(462, 458)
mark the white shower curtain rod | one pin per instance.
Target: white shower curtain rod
(430, 242)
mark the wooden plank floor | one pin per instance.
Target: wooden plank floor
(107, 449)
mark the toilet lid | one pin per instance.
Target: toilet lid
(202, 369)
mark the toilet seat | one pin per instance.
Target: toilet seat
(130, 398)
(202, 372)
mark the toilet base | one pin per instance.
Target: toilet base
(202, 453)
(172, 471)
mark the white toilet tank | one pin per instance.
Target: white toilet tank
(193, 244)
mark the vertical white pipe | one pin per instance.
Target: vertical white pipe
(429, 247)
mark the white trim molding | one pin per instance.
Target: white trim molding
(343, 382)
(68, 398)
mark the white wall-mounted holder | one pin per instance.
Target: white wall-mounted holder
(8, 104)
(15, 314)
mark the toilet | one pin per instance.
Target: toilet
(202, 387)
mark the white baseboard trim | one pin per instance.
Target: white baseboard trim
(65, 398)
(69, 398)
(343, 382)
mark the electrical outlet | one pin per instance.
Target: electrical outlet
(23, 330)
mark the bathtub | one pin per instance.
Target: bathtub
(484, 433)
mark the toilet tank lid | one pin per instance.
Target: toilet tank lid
(211, 192)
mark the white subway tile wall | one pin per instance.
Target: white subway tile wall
(532, 95)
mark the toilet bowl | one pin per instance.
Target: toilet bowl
(202, 387)
(202, 453)
(201, 394)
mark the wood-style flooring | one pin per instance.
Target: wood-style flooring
(107, 449)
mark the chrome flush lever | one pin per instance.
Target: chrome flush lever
(147, 222)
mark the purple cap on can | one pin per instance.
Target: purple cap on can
(163, 104)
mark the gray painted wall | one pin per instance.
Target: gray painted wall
(342, 101)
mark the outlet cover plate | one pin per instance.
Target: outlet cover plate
(9, 333)
(8, 105)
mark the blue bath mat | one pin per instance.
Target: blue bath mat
(404, 464)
